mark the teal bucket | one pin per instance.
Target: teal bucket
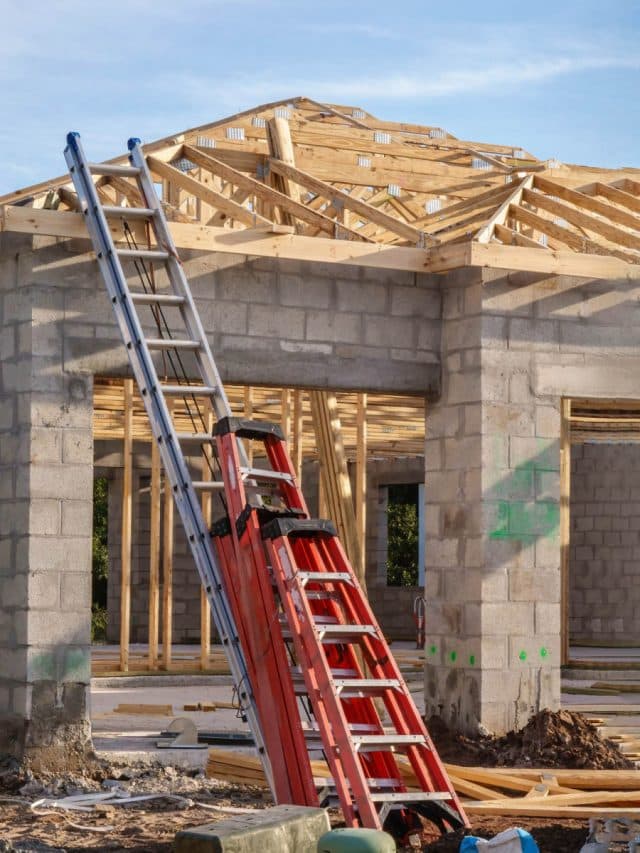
(356, 841)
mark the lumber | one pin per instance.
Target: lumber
(360, 486)
(335, 474)
(154, 555)
(206, 503)
(126, 533)
(136, 708)
(565, 523)
(167, 568)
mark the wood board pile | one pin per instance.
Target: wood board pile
(510, 791)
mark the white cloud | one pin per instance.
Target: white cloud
(422, 82)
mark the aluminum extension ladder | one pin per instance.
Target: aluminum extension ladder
(310, 664)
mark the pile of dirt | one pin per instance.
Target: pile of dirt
(549, 739)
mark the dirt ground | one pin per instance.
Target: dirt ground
(562, 739)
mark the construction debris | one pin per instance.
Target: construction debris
(550, 739)
(492, 791)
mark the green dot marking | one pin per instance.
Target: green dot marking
(433, 650)
(544, 652)
(522, 655)
(472, 659)
(453, 656)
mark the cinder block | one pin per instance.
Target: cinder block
(287, 829)
(339, 328)
(365, 297)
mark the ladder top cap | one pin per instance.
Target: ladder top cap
(298, 527)
(72, 136)
(131, 143)
(243, 428)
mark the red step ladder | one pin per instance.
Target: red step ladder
(312, 635)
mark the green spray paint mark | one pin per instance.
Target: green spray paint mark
(453, 656)
(544, 652)
(523, 655)
(472, 659)
(433, 650)
(526, 507)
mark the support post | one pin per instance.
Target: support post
(206, 499)
(167, 572)
(154, 557)
(565, 521)
(361, 479)
(125, 545)
(298, 434)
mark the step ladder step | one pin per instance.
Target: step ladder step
(189, 390)
(324, 577)
(265, 474)
(373, 743)
(208, 485)
(157, 298)
(355, 688)
(172, 343)
(143, 254)
(194, 437)
(335, 633)
(114, 170)
(118, 211)
(411, 797)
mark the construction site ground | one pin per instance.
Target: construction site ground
(128, 715)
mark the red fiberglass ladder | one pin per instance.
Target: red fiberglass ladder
(321, 622)
(310, 664)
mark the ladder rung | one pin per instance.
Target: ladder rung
(207, 485)
(265, 474)
(333, 633)
(189, 390)
(361, 687)
(113, 169)
(372, 743)
(127, 212)
(324, 577)
(159, 298)
(144, 254)
(195, 437)
(410, 796)
(172, 343)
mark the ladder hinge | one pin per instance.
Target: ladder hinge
(241, 521)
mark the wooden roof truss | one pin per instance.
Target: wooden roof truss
(390, 194)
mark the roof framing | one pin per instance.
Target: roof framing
(367, 192)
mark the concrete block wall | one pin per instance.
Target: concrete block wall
(46, 463)
(604, 556)
(513, 345)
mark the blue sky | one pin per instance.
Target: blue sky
(558, 78)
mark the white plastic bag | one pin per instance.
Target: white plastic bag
(509, 841)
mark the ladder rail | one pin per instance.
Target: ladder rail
(164, 431)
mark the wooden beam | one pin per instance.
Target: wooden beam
(285, 413)
(167, 569)
(248, 414)
(361, 480)
(298, 434)
(206, 502)
(127, 512)
(588, 202)
(514, 238)
(258, 242)
(497, 256)
(582, 220)
(180, 179)
(565, 523)
(267, 194)
(367, 211)
(154, 555)
(500, 216)
(335, 473)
